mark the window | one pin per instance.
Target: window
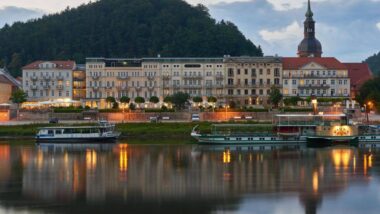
(332, 82)
(246, 71)
(261, 71)
(285, 82)
(294, 82)
(261, 91)
(268, 71)
(230, 92)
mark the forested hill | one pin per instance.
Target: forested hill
(122, 28)
(374, 63)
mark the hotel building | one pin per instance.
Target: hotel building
(149, 77)
(250, 79)
(48, 80)
(322, 77)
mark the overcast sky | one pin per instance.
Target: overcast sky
(347, 29)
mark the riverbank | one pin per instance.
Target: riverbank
(133, 132)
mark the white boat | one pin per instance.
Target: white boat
(104, 132)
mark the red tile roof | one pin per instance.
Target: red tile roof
(359, 73)
(59, 65)
(296, 63)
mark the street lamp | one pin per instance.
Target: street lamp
(226, 107)
(314, 102)
(367, 109)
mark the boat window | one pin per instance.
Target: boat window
(58, 131)
(50, 132)
(68, 131)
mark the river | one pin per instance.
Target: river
(124, 178)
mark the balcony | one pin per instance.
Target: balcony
(219, 77)
(34, 78)
(122, 88)
(46, 77)
(122, 77)
(33, 87)
(60, 87)
(95, 77)
(209, 86)
(314, 86)
(138, 88)
(166, 77)
(192, 86)
(176, 86)
(95, 88)
(151, 78)
(193, 77)
(108, 87)
(60, 77)
(151, 88)
(46, 87)
(304, 76)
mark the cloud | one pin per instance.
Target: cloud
(285, 38)
(45, 5)
(210, 2)
(11, 14)
(378, 25)
(290, 32)
(282, 5)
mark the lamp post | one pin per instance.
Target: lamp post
(314, 102)
(367, 108)
(227, 106)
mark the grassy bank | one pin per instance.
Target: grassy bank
(133, 132)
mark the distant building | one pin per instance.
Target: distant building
(8, 85)
(113, 78)
(148, 77)
(48, 80)
(358, 73)
(249, 79)
(323, 77)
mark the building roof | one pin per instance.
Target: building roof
(359, 73)
(6, 78)
(59, 65)
(296, 63)
(248, 59)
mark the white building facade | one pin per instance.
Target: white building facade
(48, 80)
(322, 77)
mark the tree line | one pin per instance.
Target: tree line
(122, 28)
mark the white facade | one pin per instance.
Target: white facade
(316, 79)
(48, 80)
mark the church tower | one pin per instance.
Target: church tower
(310, 46)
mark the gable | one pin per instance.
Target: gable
(313, 66)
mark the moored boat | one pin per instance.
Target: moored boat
(104, 132)
(312, 130)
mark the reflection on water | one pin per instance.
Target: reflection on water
(187, 179)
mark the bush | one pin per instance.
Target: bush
(297, 110)
(70, 109)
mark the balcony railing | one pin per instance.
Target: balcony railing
(323, 86)
(313, 76)
(122, 77)
(193, 77)
(122, 87)
(192, 86)
(33, 87)
(46, 77)
(151, 77)
(59, 77)
(219, 76)
(166, 77)
(34, 78)
(95, 77)
(46, 86)
(60, 87)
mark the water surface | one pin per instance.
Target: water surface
(124, 178)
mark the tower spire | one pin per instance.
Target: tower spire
(309, 13)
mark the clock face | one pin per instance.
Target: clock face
(310, 30)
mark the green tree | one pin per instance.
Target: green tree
(370, 92)
(110, 101)
(168, 99)
(179, 99)
(139, 100)
(154, 100)
(18, 97)
(275, 96)
(212, 99)
(168, 27)
(125, 100)
(197, 100)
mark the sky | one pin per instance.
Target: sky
(347, 29)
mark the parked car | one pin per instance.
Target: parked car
(53, 120)
(195, 117)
